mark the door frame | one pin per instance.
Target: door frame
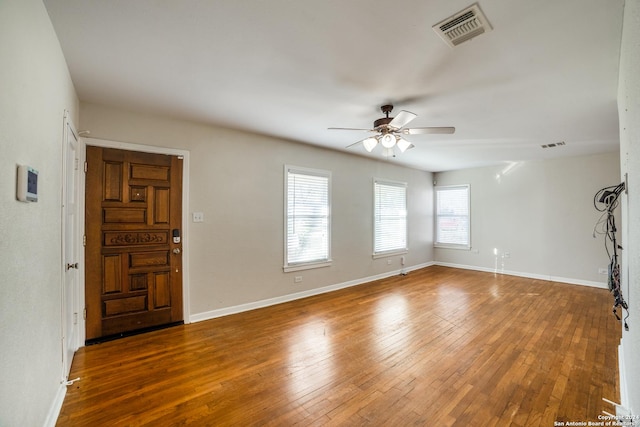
(83, 142)
(70, 339)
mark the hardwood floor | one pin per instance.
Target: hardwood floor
(437, 347)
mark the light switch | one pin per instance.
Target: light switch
(198, 216)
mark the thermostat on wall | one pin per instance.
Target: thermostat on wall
(27, 190)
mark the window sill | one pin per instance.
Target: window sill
(390, 253)
(298, 267)
(458, 247)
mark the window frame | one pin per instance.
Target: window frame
(436, 216)
(399, 250)
(304, 265)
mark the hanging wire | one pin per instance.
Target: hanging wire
(606, 201)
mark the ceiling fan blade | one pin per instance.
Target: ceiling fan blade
(369, 143)
(402, 119)
(417, 131)
(354, 144)
(365, 130)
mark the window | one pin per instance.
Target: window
(390, 217)
(452, 217)
(307, 218)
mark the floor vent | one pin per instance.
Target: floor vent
(463, 26)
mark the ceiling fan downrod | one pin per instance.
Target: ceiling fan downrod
(386, 109)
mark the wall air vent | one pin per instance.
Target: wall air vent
(554, 144)
(463, 26)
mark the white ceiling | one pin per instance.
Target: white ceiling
(548, 71)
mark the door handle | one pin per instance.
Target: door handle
(176, 250)
(70, 266)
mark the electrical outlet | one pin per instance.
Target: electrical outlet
(603, 271)
(388, 262)
(507, 255)
(297, 279)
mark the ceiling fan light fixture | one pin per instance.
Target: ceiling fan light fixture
(403, 144)
(387, 140)
(370, 144)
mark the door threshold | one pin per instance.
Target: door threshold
(131, 333)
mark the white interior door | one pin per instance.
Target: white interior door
(71, 267)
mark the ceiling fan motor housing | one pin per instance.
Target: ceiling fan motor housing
(382, 122)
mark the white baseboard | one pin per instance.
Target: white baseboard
(56, 406)
(624, 396)
(298, 295)
(198, 317)
(527, 275)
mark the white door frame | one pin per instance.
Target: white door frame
(70, 250)
(185, 215)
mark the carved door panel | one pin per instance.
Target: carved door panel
(133, 264)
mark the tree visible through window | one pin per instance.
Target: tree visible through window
(452, 217)
(307, 217)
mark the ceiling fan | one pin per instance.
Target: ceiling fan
(390, 130)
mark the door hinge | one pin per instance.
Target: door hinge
(86, 167)
(84, 313)
(84, 240)
(76, 163)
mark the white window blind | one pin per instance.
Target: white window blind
(307, 240)
(390, 217)
(452, 216)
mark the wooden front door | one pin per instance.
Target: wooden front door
(133, 259)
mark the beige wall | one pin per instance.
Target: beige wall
(236, 254)
(237, 181)
(35, 90)
(540, 213)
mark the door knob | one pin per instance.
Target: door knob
(70, 266)
(176, 250)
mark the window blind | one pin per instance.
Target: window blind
(390, 217)
(452, 216)
(307, 217)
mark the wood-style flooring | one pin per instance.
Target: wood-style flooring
(438, 347)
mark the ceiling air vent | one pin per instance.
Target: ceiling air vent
(554, 144)
(463, 26)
